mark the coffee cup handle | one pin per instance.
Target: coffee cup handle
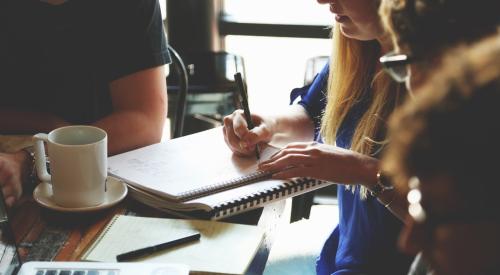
(40, 159)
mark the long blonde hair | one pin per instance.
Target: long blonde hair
(353, 68)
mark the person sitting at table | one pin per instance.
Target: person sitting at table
(422, 31)
(326, 162)
(440, 143)
(80, 62)
(352, 115)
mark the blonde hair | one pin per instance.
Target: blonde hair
(353, 68)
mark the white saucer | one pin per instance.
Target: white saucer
(117, 191)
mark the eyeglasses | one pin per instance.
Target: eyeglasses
(395, 65)
(419, 215)
(414, 197)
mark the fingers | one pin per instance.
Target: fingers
(295, 160)
(240, 125)
(7, 190)
(10, 201)
(285, 162)
(231, 134)
(239, 138)
(11, 193)
(6, 176)
(293, 172)
(257, 135)
(308, 150)
(301, 145)
(10, 179)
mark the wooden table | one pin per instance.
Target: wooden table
(46, 235)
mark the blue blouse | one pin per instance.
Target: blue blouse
(365, 239)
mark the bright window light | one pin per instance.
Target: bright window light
(279, 11)
(274, 65)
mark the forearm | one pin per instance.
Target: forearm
(20, 122)
(396, 203)
(126, 130)
(393, 200)
(130, 129)
(291, 125)
(140, 108)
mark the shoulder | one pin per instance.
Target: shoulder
(118, 10)
(139, 8)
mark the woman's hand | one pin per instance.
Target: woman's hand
(241, 140)
(322, 161)
(12, 168)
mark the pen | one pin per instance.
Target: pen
(127, 256)
(246, 108)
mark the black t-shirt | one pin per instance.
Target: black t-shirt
(61, 59)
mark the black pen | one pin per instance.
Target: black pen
(246, 108)
(152, 249)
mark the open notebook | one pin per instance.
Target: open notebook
(198, 175)
(224, 248)
(12, 264)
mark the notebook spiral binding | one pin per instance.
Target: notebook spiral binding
(224, 185)
(99, 237)
(294, 186)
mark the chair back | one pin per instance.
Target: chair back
(183, 82)
(212, 89)
(314, 65)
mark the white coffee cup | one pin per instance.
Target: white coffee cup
(78, 164)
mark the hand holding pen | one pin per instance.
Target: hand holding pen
(245, 106)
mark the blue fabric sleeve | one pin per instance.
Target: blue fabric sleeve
(313, 98)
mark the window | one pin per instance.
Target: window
(275, 65)
(306, 12)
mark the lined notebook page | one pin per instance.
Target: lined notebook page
(126, 233)
(180, 165)
(224, 248)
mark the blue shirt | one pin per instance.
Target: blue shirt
(365, 239)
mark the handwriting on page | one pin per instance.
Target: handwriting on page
(184, 164)
(154, 168)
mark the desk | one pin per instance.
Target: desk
(46, 235)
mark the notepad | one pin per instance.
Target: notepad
(199, 176)
(224, 248)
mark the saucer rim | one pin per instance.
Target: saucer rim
(98, 207)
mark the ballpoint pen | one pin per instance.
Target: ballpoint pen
(131, 255)
(245, 106)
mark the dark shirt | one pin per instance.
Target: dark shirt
(61, 59)
(364, 241)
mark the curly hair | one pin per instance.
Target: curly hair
(451, 126)
(423, 27)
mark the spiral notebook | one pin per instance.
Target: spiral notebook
(198, 175)
(214, 253)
